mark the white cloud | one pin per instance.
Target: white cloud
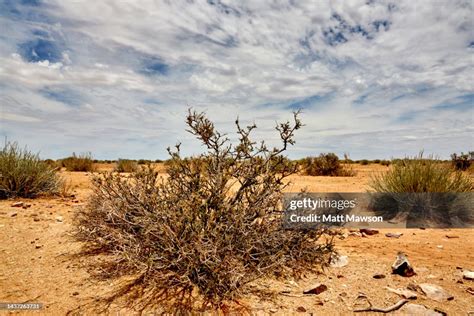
(361, 67)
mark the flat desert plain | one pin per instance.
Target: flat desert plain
(38, 262)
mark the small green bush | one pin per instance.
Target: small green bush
(461, 162)
(24, 174)
(81, 162)
(126, 165)
(420, 175)
(325, 165)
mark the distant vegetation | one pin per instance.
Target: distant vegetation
(325, 165)
(81, 162)
(463, 161)
(126, 165)
(24, 174)
(419, 174)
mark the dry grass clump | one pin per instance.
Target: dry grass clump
(126, 165)
(209, 230)
(419, 175)
(325, 165)
(24, 174)
(81, 162)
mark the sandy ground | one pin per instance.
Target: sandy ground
(37, 262)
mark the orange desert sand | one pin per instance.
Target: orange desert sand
(37, 262)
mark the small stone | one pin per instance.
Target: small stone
(435, 292)
(18, 204)
(38, 246)
(339, 261)
(418, 310)
(379, 276)
(13, 214)
(470, 290)
(368, 231)
(440, 247)
(301, 309)
(394, 235)
(318, 289)
(59, 219)
(452, 236)
(404, 293)
(402, 267)
(355, 234)
(468, 275)
(75, 293)
(36, 219)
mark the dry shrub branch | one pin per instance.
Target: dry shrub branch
(210, 229)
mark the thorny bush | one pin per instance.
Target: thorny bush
(207, 231)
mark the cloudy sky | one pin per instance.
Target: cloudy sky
(375, 79)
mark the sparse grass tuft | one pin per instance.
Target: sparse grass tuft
(418, 175)
(81, 162)
(209, 230)
(24, 174)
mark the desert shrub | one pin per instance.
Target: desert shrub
(364, 162)
(418, 175)
(52, 163)
(24, 174)
(385, 162)
(376, 161)
(81, 162)
(462, 161)
(144, 162)
(158, 160)
(212, 228)
(325, 165)
(126, 165)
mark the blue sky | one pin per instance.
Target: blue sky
(375, 79)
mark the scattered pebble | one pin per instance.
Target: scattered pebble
(318, 289)
(394, 235)
(368, 231)
(452, 236)
(379, 276)
(418, 310)
(339, 261)
(59, 219)
(13, 214)
(404, 293)
(301, 309)
(468, 275)
(402, 267)
(18, 204)
(435, 292)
